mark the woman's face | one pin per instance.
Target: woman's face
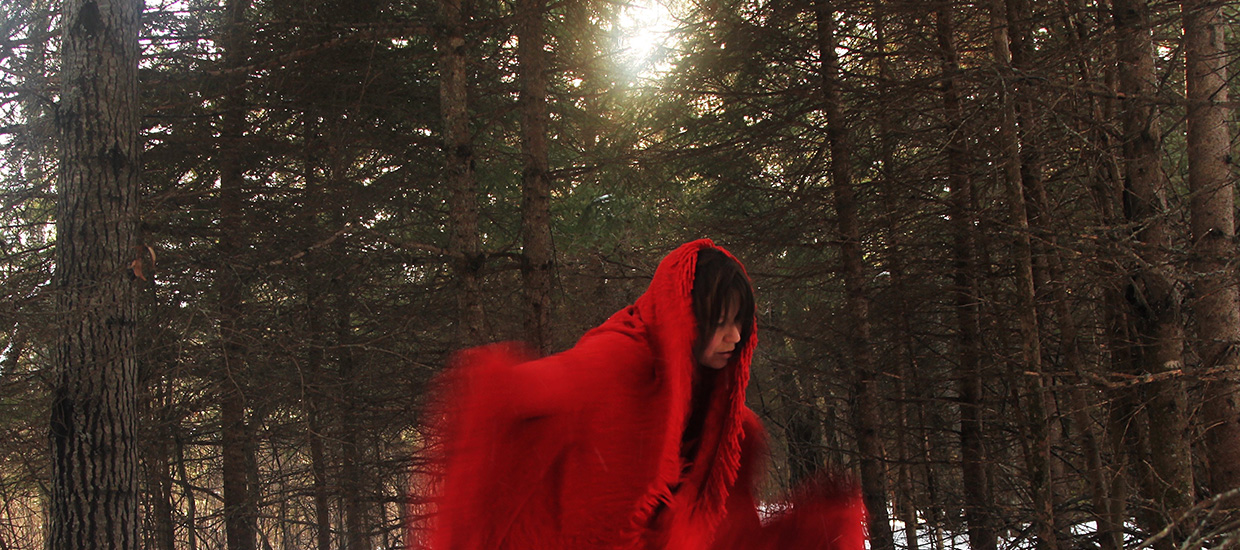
(721, 345)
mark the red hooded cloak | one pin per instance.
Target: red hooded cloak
(582, 449)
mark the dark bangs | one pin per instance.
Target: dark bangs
(717, 280)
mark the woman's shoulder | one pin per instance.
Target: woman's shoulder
(627, 322)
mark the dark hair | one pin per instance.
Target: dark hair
(717, 280)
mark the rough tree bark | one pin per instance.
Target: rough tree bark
(1212, 188)
(159, 473)
(1045, 254)
(191, 506)
(866, 400)
(155, 365)
(1036, 414)
(1101, 473)
(240, 511)
(979, 503)
(537, 260)
(318, 378)
(354, 483)
(355, 487)
(318, 471)
(1151, 293)
(463, 242)
(803, 428)
(1109, 485)
(908, 441)
(94, 412)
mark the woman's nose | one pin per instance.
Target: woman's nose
(734, 333)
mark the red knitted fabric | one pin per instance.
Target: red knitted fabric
(581, 449)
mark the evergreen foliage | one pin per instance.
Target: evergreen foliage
(322, 297)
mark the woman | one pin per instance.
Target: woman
(636, 438)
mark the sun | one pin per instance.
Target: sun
(645, 36)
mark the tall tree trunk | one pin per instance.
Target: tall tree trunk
(318, 397)
(867, 397)
(1103, 474)
(285, 523)
(804, 424)
(1119, 404)
(463, 242)
(978, 500)
(159, 473)
(1072, 356)
(240, 512)
(907, 443)
(1153, 300)
(94, 412)
(1126, 440)
(317, 400)
(537, 260)
(354, 485)
(318, 471)
(155, 368)
(1213, 224)
(163, 535)
(1036, 414)
(191, 505)
(1046, 252)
